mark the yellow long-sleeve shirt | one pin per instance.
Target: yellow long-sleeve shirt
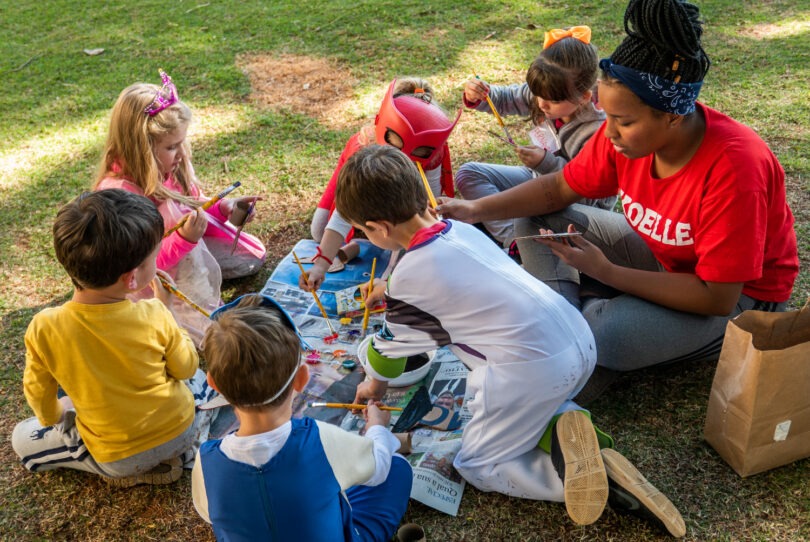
(121, 364)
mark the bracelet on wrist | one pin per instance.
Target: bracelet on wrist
(320, 255)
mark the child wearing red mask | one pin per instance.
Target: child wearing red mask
(409, 120)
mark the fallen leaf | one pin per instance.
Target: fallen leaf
(93, 52)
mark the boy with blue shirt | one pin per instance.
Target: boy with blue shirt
(284, 478)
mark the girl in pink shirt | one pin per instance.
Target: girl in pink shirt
(147, 153)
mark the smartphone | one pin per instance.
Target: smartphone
(551, 235)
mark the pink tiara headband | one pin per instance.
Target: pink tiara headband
(166, 96)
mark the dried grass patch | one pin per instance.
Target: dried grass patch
(301, 84)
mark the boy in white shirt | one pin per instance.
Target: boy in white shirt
(529, 350)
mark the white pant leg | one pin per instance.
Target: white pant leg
(57, 446)
(511, 405)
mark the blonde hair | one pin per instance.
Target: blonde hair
(131, 139)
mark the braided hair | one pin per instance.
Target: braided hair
(663, 38)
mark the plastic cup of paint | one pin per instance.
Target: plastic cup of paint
(416, 368)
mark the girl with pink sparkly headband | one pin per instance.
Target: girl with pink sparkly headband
(147, 153)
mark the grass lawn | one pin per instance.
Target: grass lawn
(276, 89)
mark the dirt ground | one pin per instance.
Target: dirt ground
(302, 84)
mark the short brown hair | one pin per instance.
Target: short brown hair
(101, 235)
(563, 72)
(251, 351)
(379, 182)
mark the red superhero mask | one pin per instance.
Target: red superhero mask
(416, 127)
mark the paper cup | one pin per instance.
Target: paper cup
(239, 213)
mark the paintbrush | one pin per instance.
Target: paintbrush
(493, 134)
(427, 186)
(351, 406)
(315, 296)
(370, 286)
(497, 115)
(242, 225)
(173, 289)
(203, 207)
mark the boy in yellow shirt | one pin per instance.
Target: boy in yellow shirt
(127, 415)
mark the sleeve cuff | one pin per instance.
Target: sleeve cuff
(380, 367)
(382, 436)
(338, 224)
(468, 104)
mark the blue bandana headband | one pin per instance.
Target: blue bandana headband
(657, 92)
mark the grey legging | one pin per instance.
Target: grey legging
(630, 333)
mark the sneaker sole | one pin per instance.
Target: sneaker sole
(629, 479)
(174, 472)
(585, 484)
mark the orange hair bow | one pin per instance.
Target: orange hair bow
(582, 33)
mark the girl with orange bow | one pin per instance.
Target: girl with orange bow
(706, 231)
(558, 98)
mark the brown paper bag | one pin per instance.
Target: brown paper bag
(758, 415)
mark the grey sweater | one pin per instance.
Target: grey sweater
(516, 100)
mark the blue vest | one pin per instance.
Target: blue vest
(294, 496)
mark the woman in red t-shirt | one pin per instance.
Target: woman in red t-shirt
(706, 231)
